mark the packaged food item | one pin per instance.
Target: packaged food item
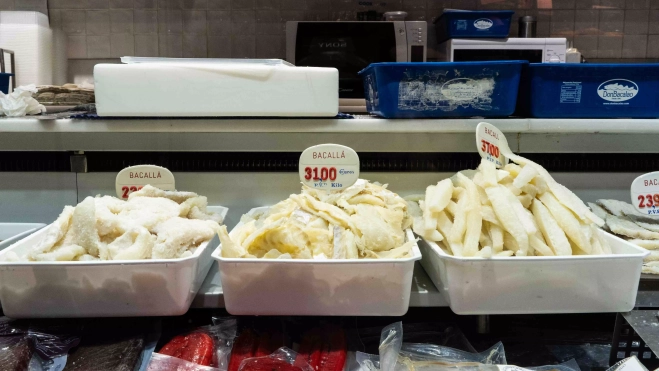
(196, 347)
(244, 347)
(253, 344)
(121, 352)
(519, 210)
(205, 346)
(398, 356)
(110, 344)
(161, 362)
(283, 359)
(151, 224)
(365, 220)
(324, 349)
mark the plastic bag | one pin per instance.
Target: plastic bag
(391, 341)
(628, 364)
(224, 331)
(430, 352)
(255, 340)
(323, 348)
(396, 355)
(366, 362)
(446, 334)
(207, 345)
(570, 365)
(51, 341)
(54, 339)
(161, 362)
(20, 102)
(281, 360)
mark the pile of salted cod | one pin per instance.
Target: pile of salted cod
(152, 224)
(365, 220)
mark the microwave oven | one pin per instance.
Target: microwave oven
(534, 50)
(351, 46)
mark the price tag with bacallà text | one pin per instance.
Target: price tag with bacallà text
(489, 140)
(645, 193)
(133, 178)
(329, 167)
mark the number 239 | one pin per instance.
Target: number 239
(128, 190)
(648, 200)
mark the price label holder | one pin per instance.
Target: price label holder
(329, 167)
(133, 178)
(490, 141)
(645, 193)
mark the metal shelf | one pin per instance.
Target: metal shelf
(364, 134)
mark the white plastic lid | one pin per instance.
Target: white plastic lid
(265, 62)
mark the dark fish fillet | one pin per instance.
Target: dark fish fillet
(15, 353)
(118, 354)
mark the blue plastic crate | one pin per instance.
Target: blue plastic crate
(461, 24)
(442, 89)
(4, 81)
(593, 90)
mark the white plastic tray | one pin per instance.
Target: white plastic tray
(527, 285)
(348, 287)
(12, 232)
(132, 288)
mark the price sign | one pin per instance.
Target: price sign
(489, 141)
(133, 178)
(329, 167)
(645, 193)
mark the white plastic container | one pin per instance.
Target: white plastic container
(348, 287)
(135, 288)
(215, 87)
(12, 232)
(527, 285)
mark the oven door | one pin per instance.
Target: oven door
(471, 55)
(346, 46)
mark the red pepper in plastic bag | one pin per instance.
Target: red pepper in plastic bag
(196, 347)
(267, 364)
(243, 348)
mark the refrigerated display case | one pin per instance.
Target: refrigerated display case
(46, 164)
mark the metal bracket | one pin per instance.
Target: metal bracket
(79, 162)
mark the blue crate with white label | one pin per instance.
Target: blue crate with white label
(462, 24)
(442, 89)
(592, 90)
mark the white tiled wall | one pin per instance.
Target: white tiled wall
(604, 29)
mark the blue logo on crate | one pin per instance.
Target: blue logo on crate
(617, 90)
(483, 23)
